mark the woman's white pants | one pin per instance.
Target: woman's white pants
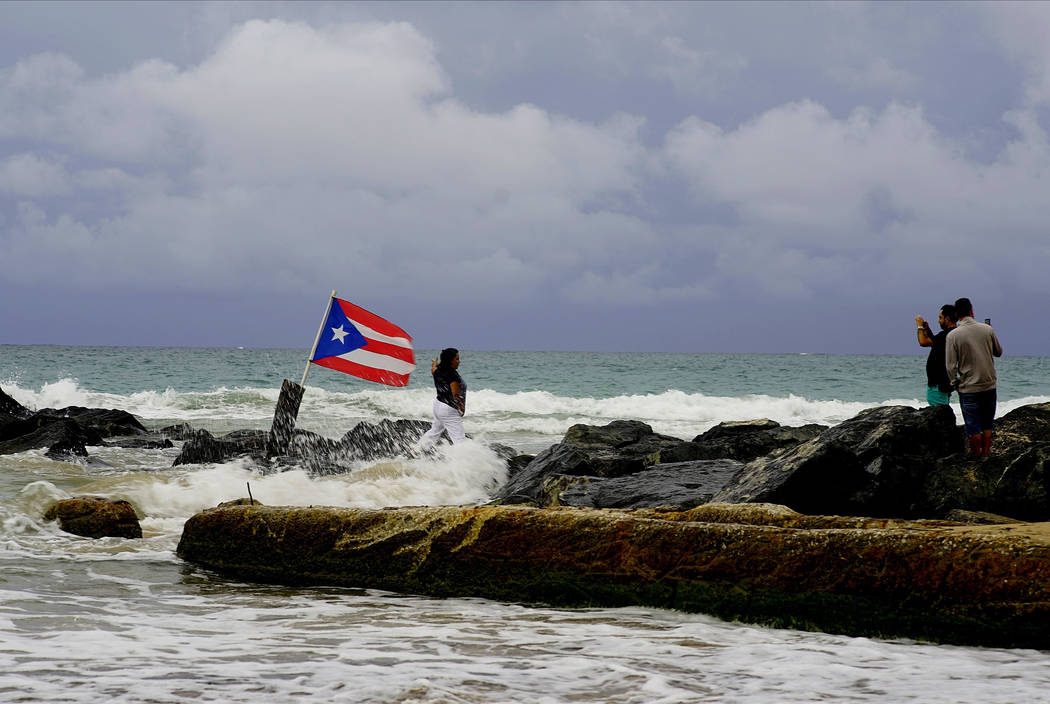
(446, 418)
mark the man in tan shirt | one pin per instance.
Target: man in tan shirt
(969, 355)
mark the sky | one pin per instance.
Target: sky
(656, 177)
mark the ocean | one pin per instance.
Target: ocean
(127, 621)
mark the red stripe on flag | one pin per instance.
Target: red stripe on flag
(380, 325)
(367, 373)
(385, 348)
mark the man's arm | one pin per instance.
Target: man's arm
(997, 348)
(922, 329)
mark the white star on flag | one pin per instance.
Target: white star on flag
(338, 333)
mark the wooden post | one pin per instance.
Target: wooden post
(284, 416)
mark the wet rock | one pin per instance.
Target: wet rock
(1022, 488)
(244, 501)
(107, 422)
(1017, 430)
(205, 448)
(153, 441)
(621, 448)
(517, 463)
(680, 485)
(95, 517)
(365, 442)
(66, 432)
(388, 438)
(182, 431)
(10, 409)
(986, 585)
(979, 517)
(42, 431)
(748, 440)
(68, 449)
(872, 464)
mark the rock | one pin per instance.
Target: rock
(527, 485)
(618, 449)
(1018, 429)
(681, 485)
(11, 409)
(979, 517)
(983, 585)
(618, 433)
(365, 442)
(44, 431)
(67, 449)
(388, 438)
(182, 431)
(204, 448)
(153, 441)
(107, 422)
(67, 432)
(872, 464)
(517, 463)
(244, 501)
(748, 440)
(95, 517)
(1022, 488)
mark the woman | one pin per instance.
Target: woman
(451, 401)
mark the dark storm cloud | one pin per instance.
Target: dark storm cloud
(532, 175)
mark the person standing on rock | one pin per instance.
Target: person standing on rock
(938, 386)
(970, 350)
(451, 402)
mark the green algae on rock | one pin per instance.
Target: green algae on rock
(930, 580)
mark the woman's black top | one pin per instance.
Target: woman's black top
(443, 378)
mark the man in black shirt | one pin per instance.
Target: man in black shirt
(938, 386)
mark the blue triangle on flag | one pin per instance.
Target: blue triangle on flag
(338, 336)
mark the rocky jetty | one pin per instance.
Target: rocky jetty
(932, 580)
(95, 517)
(67, 432)
(888, 461)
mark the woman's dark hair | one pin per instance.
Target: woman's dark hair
(447, 355)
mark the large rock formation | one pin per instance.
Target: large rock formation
(871, 464)
(891, 461)
(949, 582)
(66, 432)
(905, 462)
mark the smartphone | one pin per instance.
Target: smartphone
(987, 321)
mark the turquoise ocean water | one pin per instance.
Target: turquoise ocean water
(115, 620)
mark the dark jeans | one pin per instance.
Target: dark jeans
(978, 410)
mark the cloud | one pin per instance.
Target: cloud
(1023, 31)
(291, 157)
(830, 201)
(31, 175)
(293, 153)
(693, 71)
(877, 74)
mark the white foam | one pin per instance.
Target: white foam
(463, 474)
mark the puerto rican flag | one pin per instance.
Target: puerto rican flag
(357, 342)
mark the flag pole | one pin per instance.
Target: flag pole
(288, 401)
(320, 329)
